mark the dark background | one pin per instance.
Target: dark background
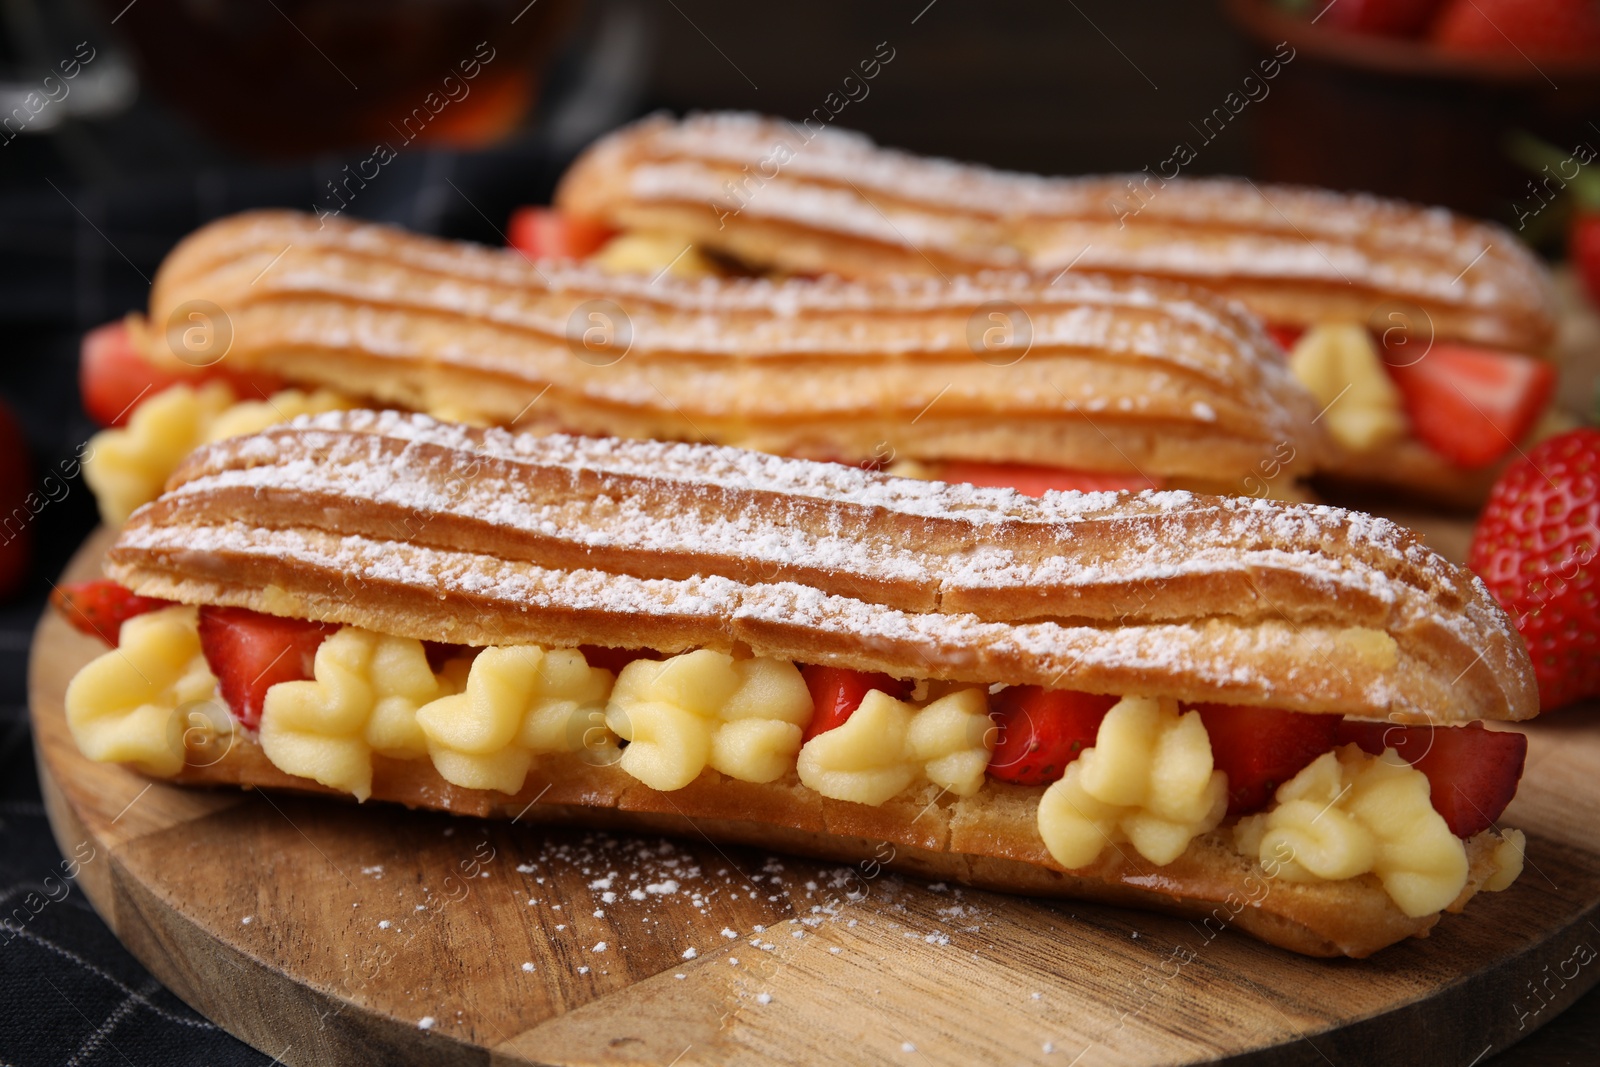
(89, 207)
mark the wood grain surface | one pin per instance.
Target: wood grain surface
(326, 932)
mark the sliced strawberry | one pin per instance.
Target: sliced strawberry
(1472, 772)
(1036, 481)
(1471, 405)
(836, 692)
(614, 659)
(114, 377)
(1287, 336)
(545, 233)
(100, 606)
(1261, 748)
(250, 652)
(1042, 730)
(441, 652)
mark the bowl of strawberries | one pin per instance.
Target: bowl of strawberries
(1511, 41)
(1417, 98)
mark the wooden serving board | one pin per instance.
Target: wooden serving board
(323, 932)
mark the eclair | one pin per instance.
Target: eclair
(1003, 378)
(1418, 330)
(1161, 700)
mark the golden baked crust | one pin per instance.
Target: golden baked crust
(792, 198)
(988, 840)
(407, 526)
(1126, 376)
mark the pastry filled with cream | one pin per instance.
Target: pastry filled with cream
(1421, 333)
(1002, 379)
(1158, 699)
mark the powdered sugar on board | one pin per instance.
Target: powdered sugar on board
(817, 899)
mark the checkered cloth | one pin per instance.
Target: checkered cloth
(69, 992)
(72, 258)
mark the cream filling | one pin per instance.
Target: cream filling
(654, 252)
(1338, 363)
(703, 709)
(127, 467)
(1348, 814)
(1148, 781)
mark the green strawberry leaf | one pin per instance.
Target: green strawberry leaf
(1558, 169)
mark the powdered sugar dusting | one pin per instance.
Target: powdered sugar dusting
(364, 466)
(840, 181)
(739, 356)
(787, 552)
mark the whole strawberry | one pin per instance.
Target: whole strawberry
(1535, 547)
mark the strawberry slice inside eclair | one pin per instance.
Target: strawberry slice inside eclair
(1473, 772)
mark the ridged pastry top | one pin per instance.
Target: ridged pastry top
(405, 525)
(1117, 375)
(831, 199)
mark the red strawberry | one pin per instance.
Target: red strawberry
(545, 233)
(250, 652)
(439, 653)
(1535, 548)
(614, 659)
(1043, 730)
(1471, 405)
(1286, 336)
(1036, 481)
(114, 377)
(1583, 248)
(1261, 748)
(1391, 18)
(836, 692)
(1472, 772)
(1556, 29)
(16, 516)
(99, 607)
